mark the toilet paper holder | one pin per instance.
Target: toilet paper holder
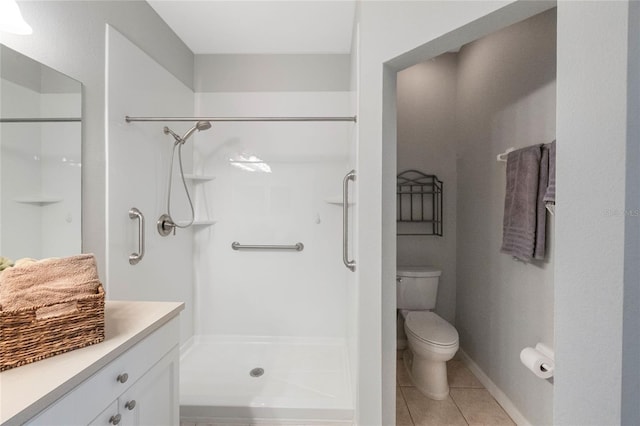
(548, 352)
(540, 360)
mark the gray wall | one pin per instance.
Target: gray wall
(272, 73)
(506, 98)
(597, 256)
(70, 37)
(631, 331)
(426, 102)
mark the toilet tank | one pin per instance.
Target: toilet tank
(417, 287)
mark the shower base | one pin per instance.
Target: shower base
(253, 380)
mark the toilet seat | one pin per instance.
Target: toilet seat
(430, 329)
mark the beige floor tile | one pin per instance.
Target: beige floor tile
(461, 377)
(403, 418)
(427, 412)
(402, 375)
(479, 407)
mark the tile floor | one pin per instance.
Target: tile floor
(469, 403)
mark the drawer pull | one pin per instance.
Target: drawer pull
(114, 420)
(130, 405)
(122, 378)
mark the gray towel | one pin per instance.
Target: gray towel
(550, 195)
(541, 211)
(521, 203)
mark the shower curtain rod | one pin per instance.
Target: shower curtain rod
(40, 120)
(131, 119)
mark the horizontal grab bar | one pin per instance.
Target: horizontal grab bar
(237, 246)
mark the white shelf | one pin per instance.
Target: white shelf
(199, 178)
(197, 222)
(336, 201)
(38, 199)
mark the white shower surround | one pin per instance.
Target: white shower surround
(39, 159)
(272, 293)
(293, 306)
(284, 311)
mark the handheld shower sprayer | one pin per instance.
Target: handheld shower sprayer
(165, 223)
(200, 126)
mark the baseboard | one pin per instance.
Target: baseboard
(494, 390)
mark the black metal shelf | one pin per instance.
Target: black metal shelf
(419, 204)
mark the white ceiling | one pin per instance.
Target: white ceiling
(264, 27)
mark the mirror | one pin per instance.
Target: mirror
(40, 159)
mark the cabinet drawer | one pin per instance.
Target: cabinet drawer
(104, 418)
(91, 397)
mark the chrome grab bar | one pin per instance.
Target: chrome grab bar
(351, 264)
(134, 258)
(237, 246)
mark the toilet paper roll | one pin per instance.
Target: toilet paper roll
(541, 365)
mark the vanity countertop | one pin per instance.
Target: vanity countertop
(27, 390)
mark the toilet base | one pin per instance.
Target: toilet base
(430, 377)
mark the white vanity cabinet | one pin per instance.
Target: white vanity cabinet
(133, 382)
(152, 400)
(143, 379)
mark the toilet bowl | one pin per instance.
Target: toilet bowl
(432, 341)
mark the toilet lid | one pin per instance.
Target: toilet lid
(430, 328)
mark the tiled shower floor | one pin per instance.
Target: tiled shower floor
(469, 403)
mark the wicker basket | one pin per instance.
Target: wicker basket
(29, 334)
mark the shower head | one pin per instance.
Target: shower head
(200, 126)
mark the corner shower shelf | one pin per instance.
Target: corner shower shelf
(199, 178)
(41, 200)
(336, 201)
(197, 222)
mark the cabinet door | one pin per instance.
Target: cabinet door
(107, 416)
(153, 400)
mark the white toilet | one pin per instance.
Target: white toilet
(432, 340)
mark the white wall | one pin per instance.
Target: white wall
(506, 98)
(426, 97)
(138, 159)
(70, 37)
(277, 73)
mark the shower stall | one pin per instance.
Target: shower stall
(268, 333)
